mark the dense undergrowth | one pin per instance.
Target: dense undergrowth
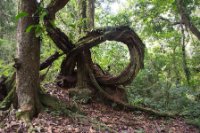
(154, 87)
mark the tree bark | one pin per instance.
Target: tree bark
(59, 38)
(175, 67)
(82, 90)
(184, 60)
(82, 74)
(28, 60)
(90, 14)
(50, 60)
(54, 7)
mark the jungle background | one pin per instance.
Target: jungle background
(170, 79)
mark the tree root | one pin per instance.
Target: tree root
(122, 103)
(55, 104)
(70, 110)
(11, 96)
(46, 100)
(8, 84)
(7, 101)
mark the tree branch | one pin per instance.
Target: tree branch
(169, 21)
(121, 34)
(186, 20)
(55, 6)
(59, 38)
(50, 60)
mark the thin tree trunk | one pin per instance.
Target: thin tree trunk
(1, 35)
(82, 15)
(82, 76)
(90, 14)
(184, 60)
(28, 62)
(175, 67)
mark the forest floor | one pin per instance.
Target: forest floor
(113, 120)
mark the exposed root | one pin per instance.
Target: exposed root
(124, 104)
(8, 84)
(11, 96)
(56, 104)
(5, 104)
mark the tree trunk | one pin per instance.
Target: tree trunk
(27, 62)
(82, 78)
(184, 60)
(82, 74)
(1, 35)
(90, 14)
(175, 67)
(82, 91)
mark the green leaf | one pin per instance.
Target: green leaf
(72, 26)
(21, 15)
(43, 14)
(38, 31)
(29, 28)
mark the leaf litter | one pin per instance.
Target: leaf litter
(117, 120)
